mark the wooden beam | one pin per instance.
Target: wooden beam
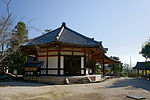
(103, 68)
(47, 62)
(84, 62)
(47, 55)
(59, 61)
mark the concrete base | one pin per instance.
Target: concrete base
(64, 79)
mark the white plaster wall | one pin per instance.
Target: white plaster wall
(82, 71)
(66, 53)
(61, 61)
(82, 62)
(66, 48)
(53, 48)
(53, 62)
(44, 60)
(53, 53)
(53, 72)
(87, 71)
(61, 72)
(42, 53)
(78, 53)
(77, 49)
(43, 49)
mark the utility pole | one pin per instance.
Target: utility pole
(130, 62)
(130, 65)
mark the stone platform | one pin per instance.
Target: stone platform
(65, 79)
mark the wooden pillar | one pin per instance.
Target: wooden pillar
(112, 70)
(103, 68)
(146, 72)
(72, 62)
(36, 55)
(138, 72)
(59, 61)
(47, 62)
(84, 62)
(36, 59)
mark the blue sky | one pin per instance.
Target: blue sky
(122, 25)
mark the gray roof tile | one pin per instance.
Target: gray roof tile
(142, 65)
(65, 35)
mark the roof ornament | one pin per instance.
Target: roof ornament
(92, 38)
(63, 24)
(62, 28)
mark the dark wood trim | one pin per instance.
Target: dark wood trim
(58, 61)
(50, 75)
(60, 55)
(85, 62)
(47, 62)
(73, 55)
(60, 51)
(103, 68)
(72, 51)
(36, 55)
(48, 68)
(47, 55)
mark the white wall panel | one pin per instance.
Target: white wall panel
(66, 48)
(52, 62)
(66, 53)
(61, 72)
(44, 60)
(53, 48)
(53, 53)
(62, 62)
(42, 53)
(43, 49)
(53, 72)
(82, 62)
(82, 71)
(77, 49)
(78, 53)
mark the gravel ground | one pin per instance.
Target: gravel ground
(112, 89)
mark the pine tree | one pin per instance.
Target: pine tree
(19, 35)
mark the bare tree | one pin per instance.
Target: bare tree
(6, 25)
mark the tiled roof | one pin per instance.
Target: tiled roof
(64, 35)
(33, 64)
(43, 39)
(142, 65)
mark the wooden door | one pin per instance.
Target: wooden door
(72, 65)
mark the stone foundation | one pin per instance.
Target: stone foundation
(46, 79)
(62, 79)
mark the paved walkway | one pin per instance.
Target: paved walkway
(112, 89)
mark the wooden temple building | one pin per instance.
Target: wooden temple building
(64, 52)
(144, 66)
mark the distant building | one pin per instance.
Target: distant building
(142, 66)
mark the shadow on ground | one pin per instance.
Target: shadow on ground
(133, 83)
(21, 83)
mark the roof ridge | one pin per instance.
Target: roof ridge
(59, 34)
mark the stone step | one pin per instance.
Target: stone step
(78, 80)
